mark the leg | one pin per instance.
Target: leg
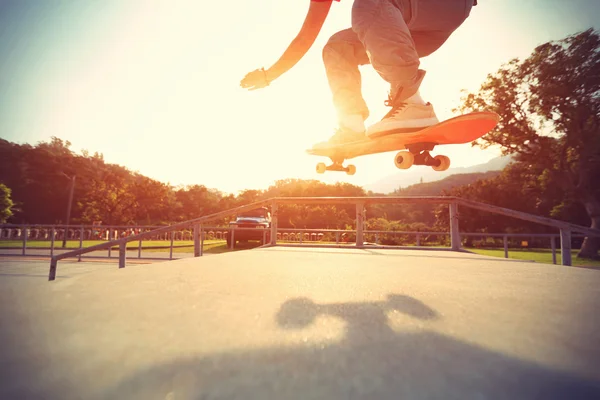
(381, 27)
(435, 22)
(396, 33)
(342, 55)
(427, 43)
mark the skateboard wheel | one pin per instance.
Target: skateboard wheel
(444, 163)
(351, 170)
(404, 160)
(321, 168)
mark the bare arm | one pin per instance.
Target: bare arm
(317, 13)
(315, 18)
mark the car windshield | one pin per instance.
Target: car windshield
(254, 213)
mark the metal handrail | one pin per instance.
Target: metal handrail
(528, 217)
(63, 226)
(566, 228)
(304, 235)
(123, 241)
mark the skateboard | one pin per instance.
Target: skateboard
(415, 145)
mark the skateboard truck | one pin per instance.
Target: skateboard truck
(336, 166)
(418, 154)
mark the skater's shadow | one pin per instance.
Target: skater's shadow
(365, 321)
(372, 361)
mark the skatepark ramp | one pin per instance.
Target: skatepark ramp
(304, 323)
(566, 229)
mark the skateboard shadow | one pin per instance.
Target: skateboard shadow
(372, 361)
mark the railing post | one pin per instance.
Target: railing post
(565, 246)
(360, 222)
(122, 254)
(80, 241)
(24, 237)
(171, 248)
(418, 240)
(505, 239)
(553, 246)
(454, 232)
(196, 240)
(52, 236)
(53, 264)
(201, 240)
(274, 223)
(110, 240)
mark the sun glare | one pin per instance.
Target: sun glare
(155, 87)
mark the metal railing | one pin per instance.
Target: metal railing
(45, 239)
(341, 239)
(506, 236)
(24, 235)
(566, 229)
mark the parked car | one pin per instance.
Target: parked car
(257, 223)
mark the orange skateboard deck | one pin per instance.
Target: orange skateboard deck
(416, 145)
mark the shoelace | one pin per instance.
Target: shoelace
(395, 107)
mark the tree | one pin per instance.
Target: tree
(6, 204)
(35, 176)
(112, 200)
(549, 106)
(197, 201)
(304, 216)
(517, 187)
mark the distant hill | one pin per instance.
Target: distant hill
(404, 179)
(436, 188)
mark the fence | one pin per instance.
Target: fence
(566, 230)
(46, 238)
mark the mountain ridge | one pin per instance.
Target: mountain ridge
(390, 184)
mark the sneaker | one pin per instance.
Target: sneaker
(341, 136)
(352, 122)
(404, 117)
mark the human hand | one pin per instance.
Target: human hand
(256, 79)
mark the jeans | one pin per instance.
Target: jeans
(391, 35)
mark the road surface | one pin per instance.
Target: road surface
(299, 323)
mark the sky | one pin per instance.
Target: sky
(154, 86)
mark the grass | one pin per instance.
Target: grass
(538, 255)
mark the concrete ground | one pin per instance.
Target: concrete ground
(298, 323)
